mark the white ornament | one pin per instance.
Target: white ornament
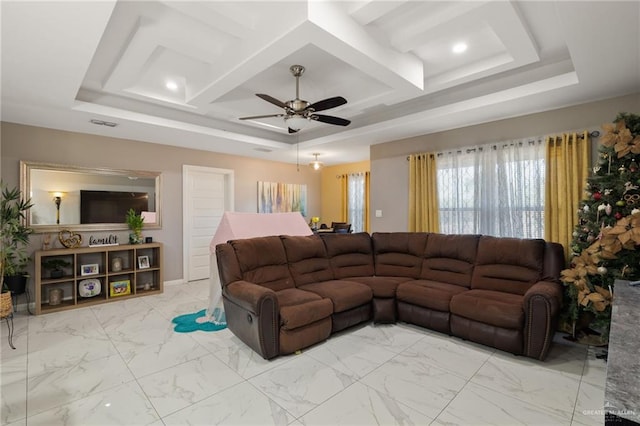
(602, 270)
(596, 169)
(601, 207)
(575, 234)
(585, 208)
(635, 211)
(607, 191)
(608, 209)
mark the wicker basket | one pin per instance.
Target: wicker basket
(6, 304)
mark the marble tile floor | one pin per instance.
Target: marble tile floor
(122, 364)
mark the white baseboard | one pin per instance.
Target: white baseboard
(174, 282)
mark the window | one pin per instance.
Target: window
(357, 201)
(493, 190)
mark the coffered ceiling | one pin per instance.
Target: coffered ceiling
(65, 63)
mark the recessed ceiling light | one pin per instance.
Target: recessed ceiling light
(459, 47)
(172, 85)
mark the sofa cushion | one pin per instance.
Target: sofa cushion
(382, 287)
(450, 258)
(495, 308)
(398, 254)
(509, 265)
(344, 294)
(295, 296)
(428, 294)
(350, 255)
(263, 261)
(299, 308)
(307, 258)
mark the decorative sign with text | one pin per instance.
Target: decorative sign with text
(111, 240)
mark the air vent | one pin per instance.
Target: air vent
(103, 123)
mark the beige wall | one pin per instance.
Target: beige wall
(45, 145)
(331, 192)
(389, 165)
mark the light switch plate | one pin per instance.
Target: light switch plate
(378, 213)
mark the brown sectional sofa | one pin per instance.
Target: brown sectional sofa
(285, 293)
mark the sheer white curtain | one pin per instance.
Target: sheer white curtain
(495, 189)
(356, 201)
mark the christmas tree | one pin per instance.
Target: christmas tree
(607, 238)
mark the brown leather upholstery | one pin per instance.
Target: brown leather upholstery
(399, 254)
(450, 258)
(428, 294)
(282, 294)
(344, 294)
(307, 258)
(299, 315)
(349, 255)
(263, 261)
(490, 307)
(501, 338)
(383, 287)
(508, 264)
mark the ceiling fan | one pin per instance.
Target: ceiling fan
(298, 112)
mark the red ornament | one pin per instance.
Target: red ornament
(618, 215)
(597, 196)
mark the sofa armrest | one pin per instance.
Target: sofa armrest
(252, 314)
(542, 304)
(248, 295)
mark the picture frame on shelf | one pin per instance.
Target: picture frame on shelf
(89, 269)
(143, 262)
(119, 288)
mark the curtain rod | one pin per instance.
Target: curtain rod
(593, 134)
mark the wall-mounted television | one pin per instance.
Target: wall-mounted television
(110, 206)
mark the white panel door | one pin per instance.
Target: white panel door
(208, 193)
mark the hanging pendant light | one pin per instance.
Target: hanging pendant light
(316, 164)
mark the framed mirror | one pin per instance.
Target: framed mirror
(88, 199)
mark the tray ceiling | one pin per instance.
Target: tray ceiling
(392, 61)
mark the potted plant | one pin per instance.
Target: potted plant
(135, 222)
(54, 266)
(14, 239)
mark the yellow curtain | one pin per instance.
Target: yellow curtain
(567, 162)
(367, 184)
(344, 188)
(423, 193)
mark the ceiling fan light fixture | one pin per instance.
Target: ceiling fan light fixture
(296, 122)
(316, 164)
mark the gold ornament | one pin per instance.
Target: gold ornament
(69, 239)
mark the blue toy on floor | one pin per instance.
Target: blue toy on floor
(188, 323)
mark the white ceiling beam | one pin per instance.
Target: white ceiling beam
(346, 39)
(252, 55)
(368, 11)
(512, 31)
(212, 16)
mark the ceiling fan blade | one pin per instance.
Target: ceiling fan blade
(331, 119)
(328, 103)
(255, 117)
(271, 99)
(292, 130)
